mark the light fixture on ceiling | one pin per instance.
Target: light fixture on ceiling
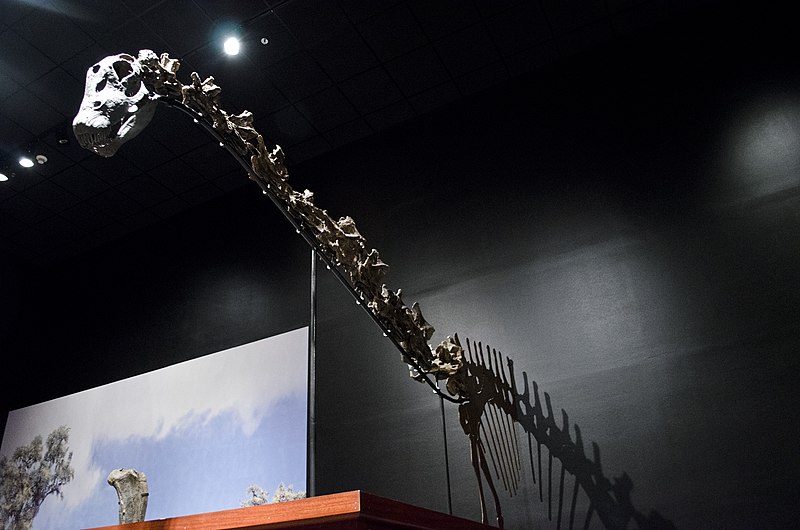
(3, 177)
(231, 46)
(25, 161)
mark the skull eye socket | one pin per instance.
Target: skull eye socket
(100, 85)
(122, 69)
(132, 86)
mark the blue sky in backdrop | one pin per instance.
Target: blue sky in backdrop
(202, 431)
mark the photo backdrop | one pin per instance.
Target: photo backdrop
(201, 430)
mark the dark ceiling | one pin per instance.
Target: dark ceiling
(331, 72)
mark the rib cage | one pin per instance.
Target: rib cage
(489, 418)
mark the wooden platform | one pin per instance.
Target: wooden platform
(352, 510)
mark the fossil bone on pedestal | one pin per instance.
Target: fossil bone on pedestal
(131, 486)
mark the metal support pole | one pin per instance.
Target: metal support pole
(446, 457)
(312, 408)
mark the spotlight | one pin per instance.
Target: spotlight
(231, 46)
(25, 161)
(3, 177)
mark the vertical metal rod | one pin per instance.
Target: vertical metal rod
(312, 408)
(446, 458)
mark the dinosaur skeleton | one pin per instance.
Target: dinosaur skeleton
(120, 97)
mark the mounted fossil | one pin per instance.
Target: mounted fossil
(492, 407)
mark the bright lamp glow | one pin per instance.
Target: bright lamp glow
(3, 177)
(231, 46)
(24, 161)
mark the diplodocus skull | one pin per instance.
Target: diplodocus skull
(115, 107)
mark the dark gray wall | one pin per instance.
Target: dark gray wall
(625, 229)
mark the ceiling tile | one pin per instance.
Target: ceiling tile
(67, 99)
(116, 204)
(201, 194)
(393, 114)
(371, 90)
(568, 16)
(358, 10)
(146, 152)
(308, 149)
(131, 37)
(145, 190)
(113, 170)
(14, 11)
(37, 28)
(31, 113)
(349, 133)
(24, 209)
(59, 230)
(286, 127)
(209, 161)
(467, 50)
(11, 135)
(584, 39)
(234, 11)
(482, 79)
(8, 223)
(492, 7)
(140, 219)
(312, 21)
(439, 19)
(81, 182)
(78, 65)
(141, 6)
(298, 76)
(327, 109)
(418, 71)
(35, 240)
(393, 33)
(344, 55)
(6, 191)
(280, 42)
(536, 56)
(94, 16)
(86, 216)
(636, 17)
(51, 196)
(23, 178)
(7, 85)
(434, 97)
(518, 28)
(177, 175)
(262, 98)
(232, 181)
(22, 62)
(170, 207)
(185, 135)
(170, 20)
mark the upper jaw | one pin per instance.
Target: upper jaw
(100, 135)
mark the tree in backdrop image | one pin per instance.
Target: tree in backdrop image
(33, 473)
